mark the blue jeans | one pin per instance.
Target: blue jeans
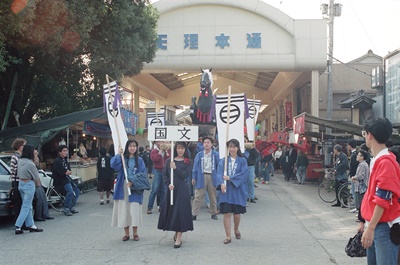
(250, 182)
(71, 197)
(27, 191)
(266, 171)
(301, 174)
(382, 251)
(156, 187)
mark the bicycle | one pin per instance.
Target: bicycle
(327, 193)
(326, 189)
(54, 198)
(345, 197)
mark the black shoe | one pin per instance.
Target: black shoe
(19, 231)
(214, 217)
(178, 246)
(252, 200)
(35, 229)
(336, 205)
(194, 217)
(73, 211)
(67, 213)
(49, 218)
(255, 198)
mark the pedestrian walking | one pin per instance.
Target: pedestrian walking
(177, 217)
(105, 175)
(234, 192)
(27, 173)
(127, 210)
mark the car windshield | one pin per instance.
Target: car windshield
(6, 160)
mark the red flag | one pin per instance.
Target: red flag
(265, 148)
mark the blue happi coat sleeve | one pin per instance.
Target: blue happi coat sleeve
(197, 173)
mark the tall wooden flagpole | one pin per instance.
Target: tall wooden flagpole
(119, 138)
(172, 172)
(254, 119)
(227, 133)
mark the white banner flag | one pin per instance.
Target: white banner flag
(238, 110)
(155, 119)
(116, 123)
(254, 107)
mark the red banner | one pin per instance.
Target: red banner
(302, 144)
(299, 124)
(289, 114)
(265, 148)
(279, 137)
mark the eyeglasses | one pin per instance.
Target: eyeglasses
(363, 133)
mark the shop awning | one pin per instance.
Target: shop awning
(41, 132)
(343, 125)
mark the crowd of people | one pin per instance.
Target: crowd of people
(28, 194)
(178, 176)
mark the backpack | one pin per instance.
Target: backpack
(145, 158)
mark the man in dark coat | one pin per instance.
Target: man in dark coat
(341, 166)
(61, 175)
(292, 159)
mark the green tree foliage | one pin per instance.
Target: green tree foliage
(62, 50)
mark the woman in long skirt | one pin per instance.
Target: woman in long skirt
(177, 217)
(234, 193)
(127, 209)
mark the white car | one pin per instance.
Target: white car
(6, 206)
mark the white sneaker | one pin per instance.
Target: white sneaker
(353, 210)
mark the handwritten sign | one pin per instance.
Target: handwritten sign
(173, 133)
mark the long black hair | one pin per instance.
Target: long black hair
(135, 155)
(235, 143)
(186, 154)
(28, 151)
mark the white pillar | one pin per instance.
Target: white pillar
(315, 98)
(136, 107)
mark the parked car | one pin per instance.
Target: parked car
(6, 206)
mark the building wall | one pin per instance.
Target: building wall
(347, 78)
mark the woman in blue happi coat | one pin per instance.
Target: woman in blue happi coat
(127, 209)
(234, 193)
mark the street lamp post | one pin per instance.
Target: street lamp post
(332, 10)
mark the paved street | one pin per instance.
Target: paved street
(289, 224)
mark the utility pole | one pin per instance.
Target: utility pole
(332, 10)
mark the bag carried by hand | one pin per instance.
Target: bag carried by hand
(362, 188)
(140, 183)
(395, 234)
(354, 247)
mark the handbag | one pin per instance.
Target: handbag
(140, 183)
(362, 188)
(395, 234)
(354, 247)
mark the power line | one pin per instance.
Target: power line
(359, 21)
(352, 67)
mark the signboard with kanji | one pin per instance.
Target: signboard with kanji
(173, 133)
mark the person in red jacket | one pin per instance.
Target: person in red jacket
(381, 203)
(158, 156)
